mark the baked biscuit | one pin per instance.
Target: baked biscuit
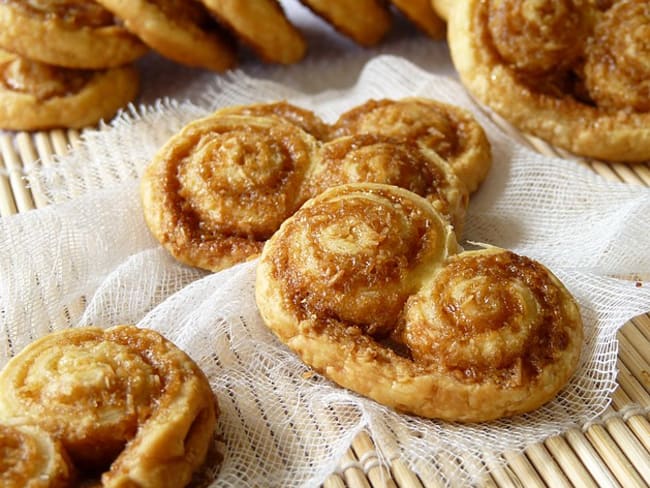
(263, 26)
(421, 13)
(221, 186)
(123, 400)
(180, 31)
(69, 33)
(36, 96)
(448, 130)
(574, 73)
(366, 22)
(366, 285)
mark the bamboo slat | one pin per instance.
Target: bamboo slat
(571, 465)
(546, 466)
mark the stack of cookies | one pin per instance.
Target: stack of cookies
(64, 64)
(67, 63)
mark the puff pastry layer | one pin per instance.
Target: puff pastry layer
(366, 22)
(124, 400)
(365, 283)
(573, 72)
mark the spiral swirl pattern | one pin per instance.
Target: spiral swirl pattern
(31, 457)
(617, 70)
(367, 286)
(436, 127)
(368, 158)
(223, 185)
(122, 397)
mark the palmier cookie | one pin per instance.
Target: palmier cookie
(123, 400)
(366, 22)
(448, 130)
(422, 14)
(69, 33)
(181, 31)
(572, 73)
(35, 96)
(32, 457)
(223, 185)
(263, 26)
(365, 284)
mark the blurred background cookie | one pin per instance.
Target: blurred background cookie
(35, 95)
(70, 33)
(573, 73)
(181, 31)
(422, 14)
(263, 26)
(364, 21)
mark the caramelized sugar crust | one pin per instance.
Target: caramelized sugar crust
(447, 130)
(179, 30)
(365, 283)
(366, 22)
(401, 162)
(41, 80)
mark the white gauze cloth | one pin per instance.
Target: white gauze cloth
(89, 259)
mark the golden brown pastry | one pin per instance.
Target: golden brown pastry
(34, 95)
(31, 458)
(221, 186)
(70, 33)
(179, 30)
(366, 22)
(124, 400)
(572, 72)
(448, 130)
(305, 119)
(262, 25)
(370, 158)
(366, 285)
(422, 14)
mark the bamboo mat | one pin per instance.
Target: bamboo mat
(613, 451)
